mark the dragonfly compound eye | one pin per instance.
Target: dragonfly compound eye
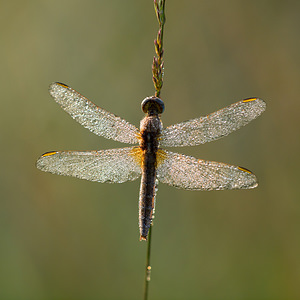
(152, 105)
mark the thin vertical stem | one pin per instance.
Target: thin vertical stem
(158, 73)
(148, 266)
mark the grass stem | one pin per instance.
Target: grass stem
(158, 73)
(148, 266)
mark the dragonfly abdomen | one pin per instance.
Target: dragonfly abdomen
(150, 131)
(147, 194)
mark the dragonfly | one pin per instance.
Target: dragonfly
(147, 159)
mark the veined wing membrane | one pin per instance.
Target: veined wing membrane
(189, 173)
(112, 166)
(213, 126)
(92, 117)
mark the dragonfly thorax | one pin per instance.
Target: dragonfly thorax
(150, 130)
(152, 106)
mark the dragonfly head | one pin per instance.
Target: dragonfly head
(152, 106)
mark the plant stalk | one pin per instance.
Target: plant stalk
(148, 265)
(158, 73)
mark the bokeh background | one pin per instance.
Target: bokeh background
(64, 238)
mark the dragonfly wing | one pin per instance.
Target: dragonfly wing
(92, 117)
(112, 166)
(213, 126)
(189, 173)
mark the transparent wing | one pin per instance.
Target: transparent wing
(189, 173)
(213, 126)
(112, 166)
(92, 117)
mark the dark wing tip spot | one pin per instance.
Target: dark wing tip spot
(48, 153)
(245, 170)
(250, 99)
(62, 84)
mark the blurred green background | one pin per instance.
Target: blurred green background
(64, 238)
